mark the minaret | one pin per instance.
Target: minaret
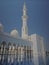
(24, 26)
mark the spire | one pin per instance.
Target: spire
(24, 6)
(24, 9)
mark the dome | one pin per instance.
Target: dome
(14, 33)
(1, 27)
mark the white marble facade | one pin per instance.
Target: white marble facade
(20, 50)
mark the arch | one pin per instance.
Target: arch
(3, 43)
(9, 44)
(14, 44)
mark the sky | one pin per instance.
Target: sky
(11, 12)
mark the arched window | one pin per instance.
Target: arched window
(9, 51)
(3, 50)
(14, 46)
(9, 46)
(3, 47)
(3, 43)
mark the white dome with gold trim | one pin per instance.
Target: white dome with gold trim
(14, 33)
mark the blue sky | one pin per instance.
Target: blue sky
(38, 16)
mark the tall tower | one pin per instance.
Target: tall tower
(24, 26)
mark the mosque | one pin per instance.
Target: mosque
(24, 50)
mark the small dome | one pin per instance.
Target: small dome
(14, 33)
(1, 27)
